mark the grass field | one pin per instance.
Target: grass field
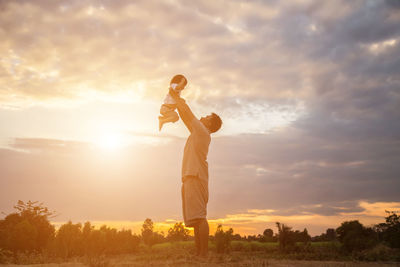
(184, 259)
(242, 254)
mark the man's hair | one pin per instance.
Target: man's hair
(177, 79)
(216, 123)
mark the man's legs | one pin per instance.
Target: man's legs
(197, 239)
(204, 232)
(203, 237)
(201, 233)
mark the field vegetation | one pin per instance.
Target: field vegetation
(28, 237)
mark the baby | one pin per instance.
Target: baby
(167, 109)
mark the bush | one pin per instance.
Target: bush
(380, 252)
(355, 237)
(178, 233)
(5, 256)
(223, 239)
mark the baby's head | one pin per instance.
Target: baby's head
(177, 79)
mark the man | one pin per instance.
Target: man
(195, 170)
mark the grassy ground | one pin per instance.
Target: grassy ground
(181, 254)
(234, 259)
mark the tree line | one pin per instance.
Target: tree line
(28, 229)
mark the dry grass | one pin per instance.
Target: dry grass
(183, 258)
(181, 254)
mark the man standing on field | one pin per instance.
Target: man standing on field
(195, 171)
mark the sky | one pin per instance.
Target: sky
(308, 91)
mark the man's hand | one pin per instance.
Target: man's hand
(174, 94)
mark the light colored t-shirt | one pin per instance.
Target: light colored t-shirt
(195, 152)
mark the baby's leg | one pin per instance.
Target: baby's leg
(167, 108)
(169, 115)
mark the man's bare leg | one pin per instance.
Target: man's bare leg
(203, 236)
(197, 239)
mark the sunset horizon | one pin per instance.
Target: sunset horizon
(308, 93)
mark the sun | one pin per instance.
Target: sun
(110, 141)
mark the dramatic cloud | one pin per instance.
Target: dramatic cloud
(308, 92)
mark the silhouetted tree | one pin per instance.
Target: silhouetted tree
(389, 231)
(178, 233)
(69, 239)
(27, 229)
(354, 236)
(329, 235)
(268, 236)
(304, 236)
(268, 233)
(75, 240)
(237, 237)
(223, 239)
(148, 232)
(285, 237)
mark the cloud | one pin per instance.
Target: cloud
(307, 90)
(240, 58)
(35, 145)
(287, 174)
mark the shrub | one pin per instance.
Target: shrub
(380, 252)
(5, 256)
(223, 239)
(178, 233)
(150, 237)
(355, 237)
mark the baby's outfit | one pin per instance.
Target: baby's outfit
(167, 109)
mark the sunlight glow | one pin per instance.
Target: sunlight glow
(110, 141)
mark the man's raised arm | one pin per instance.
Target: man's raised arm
(185, 112)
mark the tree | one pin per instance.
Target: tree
(147, 232)
(268, 233)
(330, 234)
(285, 237)
(389, 231)
(223, 239)
(268, 236)
(355, 237)
(69, 239)
(304, 236)
(28, 229)
(178, 233)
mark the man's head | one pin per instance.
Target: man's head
(178, 79)
(213, 122)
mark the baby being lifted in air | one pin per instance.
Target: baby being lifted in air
(167, 109)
